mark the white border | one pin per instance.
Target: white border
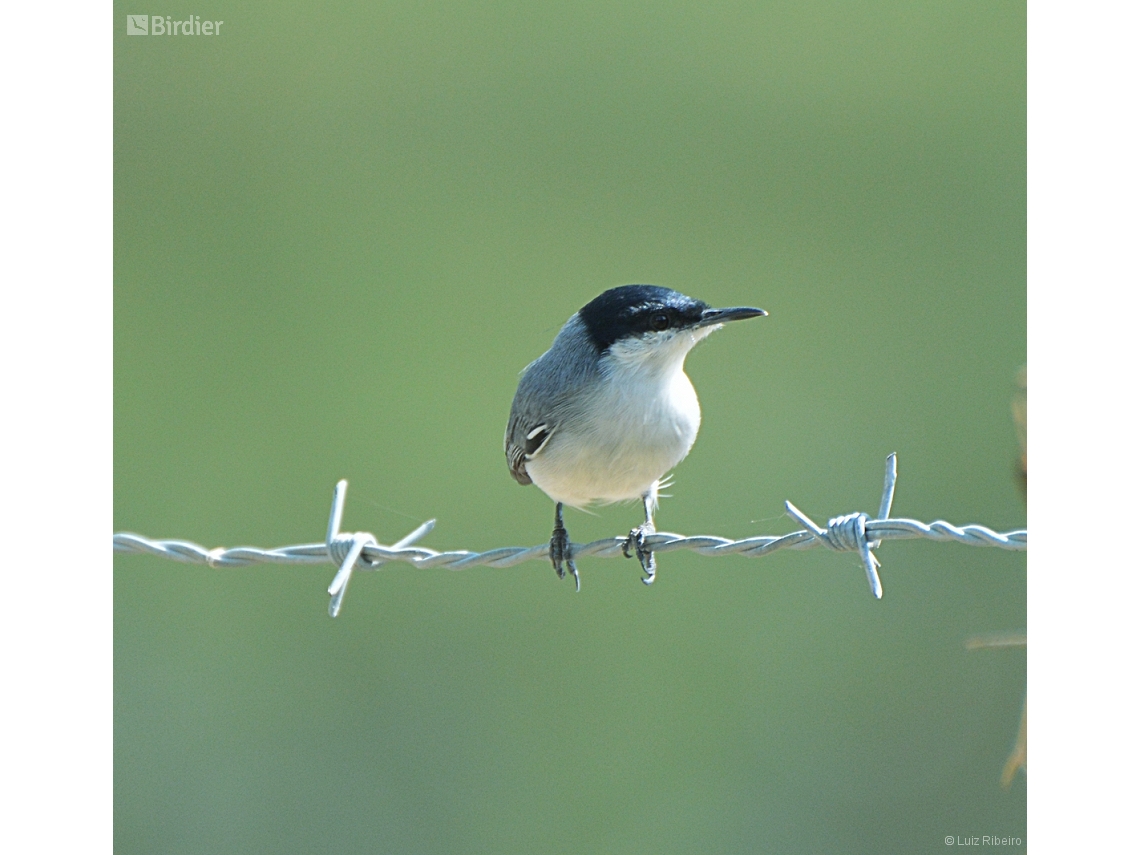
(1083, 595)
(55, 353)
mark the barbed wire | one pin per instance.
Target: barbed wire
(352, 551)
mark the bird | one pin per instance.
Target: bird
(608, 410)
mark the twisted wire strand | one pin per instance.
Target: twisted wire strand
(360, 550)
(509, 556)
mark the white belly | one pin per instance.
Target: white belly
(634, 436)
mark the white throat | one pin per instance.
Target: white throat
(658, 354)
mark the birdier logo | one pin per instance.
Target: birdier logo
(157, 25)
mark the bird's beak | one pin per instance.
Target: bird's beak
(720, 316)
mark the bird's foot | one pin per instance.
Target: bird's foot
(636, 542)
(560, 553)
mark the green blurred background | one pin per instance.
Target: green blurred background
(340, 235)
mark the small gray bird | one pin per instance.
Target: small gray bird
(608, 410)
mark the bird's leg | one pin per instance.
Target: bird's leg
(560, 549)
(636, 541)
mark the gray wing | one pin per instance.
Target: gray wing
(523, 441)
(541, 402)
(535, 415)
(529, 427)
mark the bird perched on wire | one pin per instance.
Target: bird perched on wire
(606, 412)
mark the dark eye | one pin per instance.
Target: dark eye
(659, 321)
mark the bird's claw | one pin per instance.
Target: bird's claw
(636, 542)
(560, 553)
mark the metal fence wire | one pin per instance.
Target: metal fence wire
(855, 532)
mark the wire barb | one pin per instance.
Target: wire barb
(347, 550)
(361, 551)
(849, 532)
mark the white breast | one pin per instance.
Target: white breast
(640, 423)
